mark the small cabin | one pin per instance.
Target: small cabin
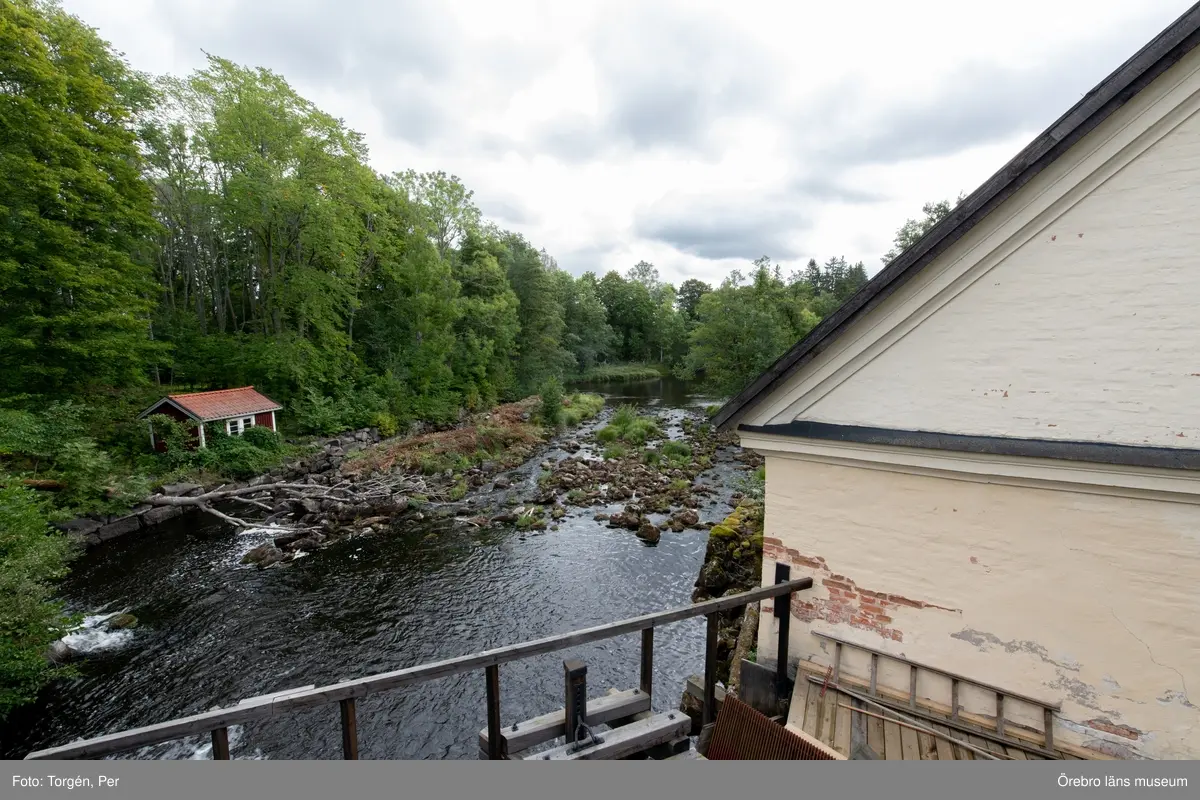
(234, 410)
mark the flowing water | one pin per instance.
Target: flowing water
(212, 632)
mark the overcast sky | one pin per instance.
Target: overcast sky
(693, 134)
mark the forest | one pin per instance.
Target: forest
(168, 234)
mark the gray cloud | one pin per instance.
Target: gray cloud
(665, 77)
(738, 229)
(977, 104)
(406, 55)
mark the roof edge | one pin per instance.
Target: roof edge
(1125, 455)
(1124, 83)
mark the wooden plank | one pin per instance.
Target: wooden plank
(550, 726)
(1015, 753)
(875, 736)
(928, 748)
(892, 745)
(900, 706)
(257, 708)
(349, 731)
(828, 718)
(979, 742)
(812, 710)
(1056, 705)
(623, 742)
(945, 749)
(841, 735)
(908, 744)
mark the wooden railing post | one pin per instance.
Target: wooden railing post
(647, 672)
(710, 669)
(495, 739)
(220, 744)
(783, 612)
(349, 730)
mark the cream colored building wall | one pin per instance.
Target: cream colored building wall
(1068, 313)
(1090, 599)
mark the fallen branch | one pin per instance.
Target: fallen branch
(377, 491)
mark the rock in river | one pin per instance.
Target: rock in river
(649, 532)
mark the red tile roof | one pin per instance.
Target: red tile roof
(221, 404)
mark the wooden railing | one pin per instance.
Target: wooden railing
(217, 722)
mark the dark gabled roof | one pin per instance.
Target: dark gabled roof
(1097, 105)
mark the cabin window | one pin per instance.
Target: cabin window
(236, 427)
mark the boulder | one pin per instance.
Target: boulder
(119, 527)
(156, 516)
(502, 482)
(123, 621)
(263, 556)
(649, 532)
(286, 539)
(601, 518)
(80, 527)
(688, 517)
(310, 505)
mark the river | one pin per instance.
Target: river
(212, 632)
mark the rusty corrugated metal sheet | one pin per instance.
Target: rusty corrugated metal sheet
(743, 734)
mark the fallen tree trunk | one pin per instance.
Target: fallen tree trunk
(382, 491)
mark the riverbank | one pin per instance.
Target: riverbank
(213, 631)
(617, 373)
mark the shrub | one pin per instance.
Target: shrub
(385, 423)
(579, 407)
(32, 558)
(651, 458)
(675, 449)
(235, 456)
(552, 402)
(607, 434)
(319, 414)
(616, 450)
(628, 427)
(264, 439)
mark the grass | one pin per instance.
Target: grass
(580, 407)
(616, 450)
(628, 427)
(616, 373)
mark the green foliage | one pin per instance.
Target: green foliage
(75, 212)
(615, 450)
(913, 229)
(741, 329)
(552, 402)
(580, 407)
(754, 484)
(618, 373)
(628, 427)
(652, 457)
(32, 558)
(385, 423)
(458, 491)
(263, 439)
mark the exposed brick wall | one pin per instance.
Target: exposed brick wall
(847, 603)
